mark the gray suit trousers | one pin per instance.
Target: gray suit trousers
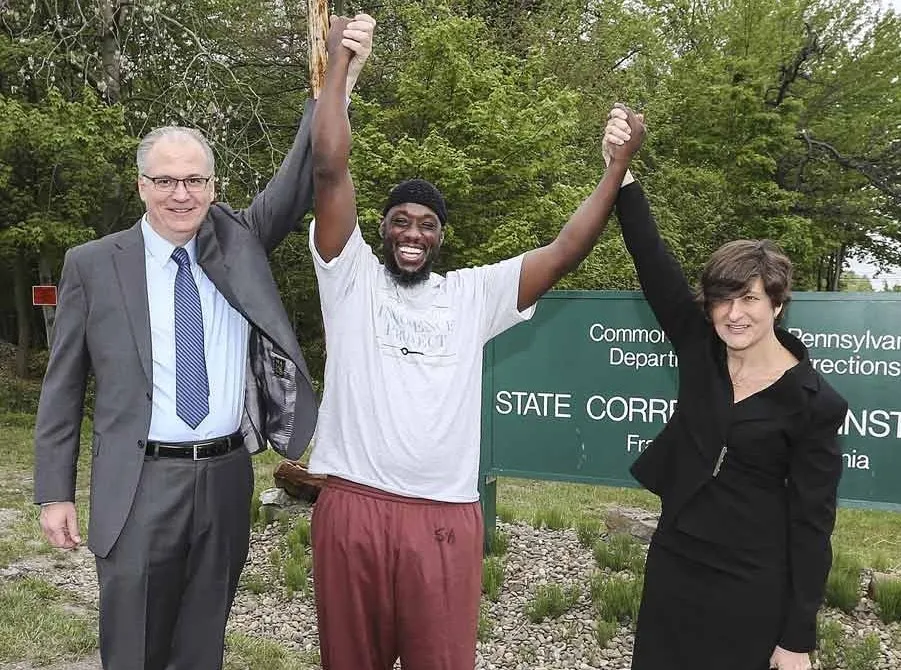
(167, 586)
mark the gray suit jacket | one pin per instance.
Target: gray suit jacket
(103, 325)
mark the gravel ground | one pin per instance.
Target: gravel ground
(534, 557)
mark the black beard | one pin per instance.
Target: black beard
(406, 277)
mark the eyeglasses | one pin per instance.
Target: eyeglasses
(169, 184)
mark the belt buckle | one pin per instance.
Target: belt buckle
(196, 450)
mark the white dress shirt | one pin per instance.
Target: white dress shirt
(225, 340)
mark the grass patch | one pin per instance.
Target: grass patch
(588, 531)
(829, 650)
(616, 598)
(550, 601)
(254, 583)
(843, 583)
(863, 654)
(247, 652)
(620, 552)
(526, 497)
(498, 543)
(296, 571)
(604, 631)
(553, 518)
(887, 594)
(38, 624)
(298, 538)
(492, 577)
(486, 625)
(506, 513)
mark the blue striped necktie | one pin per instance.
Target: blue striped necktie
(192, 388)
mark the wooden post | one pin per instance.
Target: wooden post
(317, 25)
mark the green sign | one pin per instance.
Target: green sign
(580, 390)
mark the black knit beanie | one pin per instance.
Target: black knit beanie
(422, 193)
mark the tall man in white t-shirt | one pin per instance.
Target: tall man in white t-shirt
(397, 530)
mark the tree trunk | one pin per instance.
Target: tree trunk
(317, 29)
(21, 286)
(110, 55)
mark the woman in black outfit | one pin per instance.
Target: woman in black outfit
(748, 466)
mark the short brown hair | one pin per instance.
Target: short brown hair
(731, 269)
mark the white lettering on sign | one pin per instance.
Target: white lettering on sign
(598, 332)
(872, 423)
(643, 359)
(531, 403)
(619, 408)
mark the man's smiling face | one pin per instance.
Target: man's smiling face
(412, 236)
(176, 214)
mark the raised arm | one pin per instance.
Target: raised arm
(659, 273)
(335, 206)
(543, 267)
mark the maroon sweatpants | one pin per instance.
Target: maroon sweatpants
(395, 577)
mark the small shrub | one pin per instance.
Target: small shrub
(588, 532)
(254, 583)
(298, 538)
(620, 552)
(604, 631)
(275, 558)
(829, 634)
(843, 583)
(615, 598)
(553, 518)
(296, 570)
(506, 513)
(863, 655)
(550, 601)
(486, 625)
(498, 543)
(887, 594)
(492, 577)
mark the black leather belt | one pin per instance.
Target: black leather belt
(197, 451)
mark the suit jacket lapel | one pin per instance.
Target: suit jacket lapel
(240, 278)
(132, 272)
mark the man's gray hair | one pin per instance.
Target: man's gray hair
(180, 132)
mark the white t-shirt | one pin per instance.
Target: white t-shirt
(401, 410)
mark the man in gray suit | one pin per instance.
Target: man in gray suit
(194, 357)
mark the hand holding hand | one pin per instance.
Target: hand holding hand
(59, 521)
(624, 133)
(357, 36)
(334, 41)
(783, 659)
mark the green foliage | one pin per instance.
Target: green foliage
(588, 532)
(299, 537)
(855, 283)
(843, 583)
(38, 623)
(492, 577)
(616, 598)
(887, 594)
(829, 635)
(550, 601)
(553, 518)
(498, 543)
(296, 571)
(506, 513)
(620, 552)
(485, 626)
(863, 654)
(604, 631)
